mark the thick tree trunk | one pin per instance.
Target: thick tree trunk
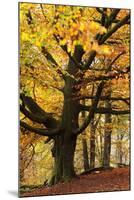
(69, 123)
(64, 160)
(66, 143)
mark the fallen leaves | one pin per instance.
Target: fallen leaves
(102, 181)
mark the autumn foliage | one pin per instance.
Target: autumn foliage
(74, 91)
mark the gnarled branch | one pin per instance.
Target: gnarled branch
(31, 116)
(41, 131)
(36, 113)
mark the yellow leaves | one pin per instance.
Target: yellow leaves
(61, 9)
(95, 27)
(95, 46)
(82, 26)
(69, 49)
(26, 5)
(63, 42)
(105, 50)
(101, 49)
(102, 30)
(74, 29)
(25, 36)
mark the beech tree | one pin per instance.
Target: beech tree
(77, 46)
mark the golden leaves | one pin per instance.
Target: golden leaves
(95, 27)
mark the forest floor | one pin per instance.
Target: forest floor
(97, 181)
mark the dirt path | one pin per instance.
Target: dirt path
(99, 181)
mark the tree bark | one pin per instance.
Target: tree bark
(66, 143)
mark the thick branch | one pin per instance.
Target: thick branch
(31, 116)
(41, 131)
(114, 29)
(49, 56)
(32, 105)
(74, 58)
(92, 110)
(99, 10)
(112, 17)
(36, 113)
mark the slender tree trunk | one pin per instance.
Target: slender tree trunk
(85, 154)
(92, 144)
(119, 149)
(84, 144)
(107, 132)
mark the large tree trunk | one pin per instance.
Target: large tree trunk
(64, 160)
(69, 123)
(66, 143)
